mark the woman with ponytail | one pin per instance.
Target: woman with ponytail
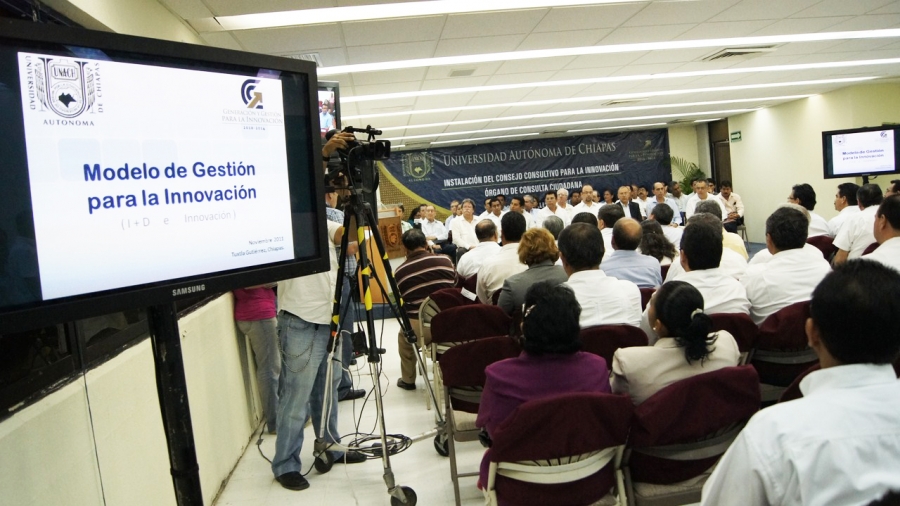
(686, 347)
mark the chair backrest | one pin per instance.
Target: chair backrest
(604, 340)
(464, 364)
(445, 298)
(739, 325)
(471, 283)
(781, 352)
(697, 412)
(646, 293)
(825, 245)
(793, 390)
(495, 297)
(664, 269)
(468, 323)
(549, 431)
(870, 248)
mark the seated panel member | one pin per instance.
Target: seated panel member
(436, 234)
(660, 197)
(463, 227)
(551, 209)
(840, 442)
(791, 275)
(702, 194)
(625, 262)
(587, 202)
(604, 300)
(630, 208)
(687, 346)
(734, 206)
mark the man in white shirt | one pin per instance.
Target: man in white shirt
(845, 204)
(856, 234)
(604, 300)
(659, 197)
(791, 275)
(607, 218)
(463, 227)
(587, 205)
(454, 211)
(562, 201)
(505, 263)
(887, 233)
(436, 234)
(734, 206)
(487, 209)
(642, 199)
(702, 194)
(681, 198)
(551, 209)
(804, 195)
(840, 442)
(495, 213)
(575, 197)
(487, 247)
(664, 215)
(515, 206)
(531, 207)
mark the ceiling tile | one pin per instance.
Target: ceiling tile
(891, 8)
(594, 61)
(841, 8)
(567, 74)
(636, 34)
(377, 89)
(572, 38)
(561, 19)
(536, 65)
(364, 33)
(480, 69)
(391, 52)
(443, 101)
(868, 23)
(188, 9)
(801, 25)
(456, 82)
(236, 7)
(764, 9)
(289, 40)
(221, 39)
(858, 45)
(499, 97)
(477, 45)
(724, 29)
(636, 70)
(535, 77)
(672, 56)
(671, 13)
(492, 23)
(389, 76)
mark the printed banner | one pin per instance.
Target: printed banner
(604, 161)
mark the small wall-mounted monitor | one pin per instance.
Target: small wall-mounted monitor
(137, 171)
(861, 152)
(329, 107)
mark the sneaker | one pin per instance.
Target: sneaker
(404, 385)
(293, 481)
(352, 394)
(352, 457)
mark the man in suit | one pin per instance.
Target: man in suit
(631, 209)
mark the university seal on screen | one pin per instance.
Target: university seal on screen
(65, 86)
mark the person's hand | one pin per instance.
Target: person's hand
(337, 141)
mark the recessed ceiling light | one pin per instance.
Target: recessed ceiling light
(621, 127)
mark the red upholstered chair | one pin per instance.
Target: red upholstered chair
(442, 299)
(604, 340)
(463, 378)
(646, 293)
(793, 390)
(680, 432)
(471, 283)
(561, 450)
(495, 297)
(665, 271)
(870, 248)
(781, 352)
(740, 326)
(825, 245)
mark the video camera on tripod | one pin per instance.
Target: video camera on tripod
(357, 162)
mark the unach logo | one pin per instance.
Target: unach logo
(65, 86)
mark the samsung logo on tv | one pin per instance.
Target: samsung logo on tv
(188, 289)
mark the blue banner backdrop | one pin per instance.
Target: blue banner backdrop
(605, 161)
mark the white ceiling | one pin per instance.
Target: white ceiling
(392, 40)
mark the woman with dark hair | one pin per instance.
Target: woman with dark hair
(608, 197)
(551, 363)
(655, 244)
(686, 347)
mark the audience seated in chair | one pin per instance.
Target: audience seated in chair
(731, 263)
(840, 443)
(845, 204)
(462, 228)
(538, 251)
(551, 363)
(625, 262)
(505, 262)
(663, 215)
(655, 244)
(818, 246)
(887, 233)
(607, 217)
(734, 207)
(687, 346)
(487, 247)
(804, 195)
(793, 272)
(604, 300)
(857, 233)
(554, 225)
(419, 276)
(730, 240)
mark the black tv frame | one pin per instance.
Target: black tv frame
(333, 87)
(827, 156)
(41, 37)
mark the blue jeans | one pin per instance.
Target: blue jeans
(348, 308)
(302, 389)
(264, 341)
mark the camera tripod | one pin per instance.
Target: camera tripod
(357, 208)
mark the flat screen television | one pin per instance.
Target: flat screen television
(137, 171)
(329, 107)
(861, 152)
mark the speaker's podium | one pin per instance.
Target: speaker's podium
(391, 233)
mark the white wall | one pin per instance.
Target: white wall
(782, 146)
(106, 426)
(147, 18)
(684, 143)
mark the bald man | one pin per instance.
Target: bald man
(625, 262)
(588, 204)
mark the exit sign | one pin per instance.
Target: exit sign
(736, 136)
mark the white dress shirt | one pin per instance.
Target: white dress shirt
(641, 371)
(839, 444)
(464, 232)
(448, 221)
(695, 199)
(835, 224)
(733, 204)
(731, 264)
(594, 208)
(817, 225)
(721, 293)
(762, 256)
(642, 203)
(856, 233)
(561, 213)
(496, 269)
(682, 201)
(605, 300)
(789, 277)
(888, 253)
(496, 219)
(673, 234)
(529, 220)
(471, 262)
(310, 297)
(606, 233)
(676, 211)
(434, 229)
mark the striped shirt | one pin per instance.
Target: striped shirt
(421, 274)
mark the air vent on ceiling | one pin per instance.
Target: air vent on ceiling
(623, 101)
(554, 132)
(744, 52)
(313, 57)
(677, 121)
(461, 72)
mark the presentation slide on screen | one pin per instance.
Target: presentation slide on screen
(141, 174)
(863, 152)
